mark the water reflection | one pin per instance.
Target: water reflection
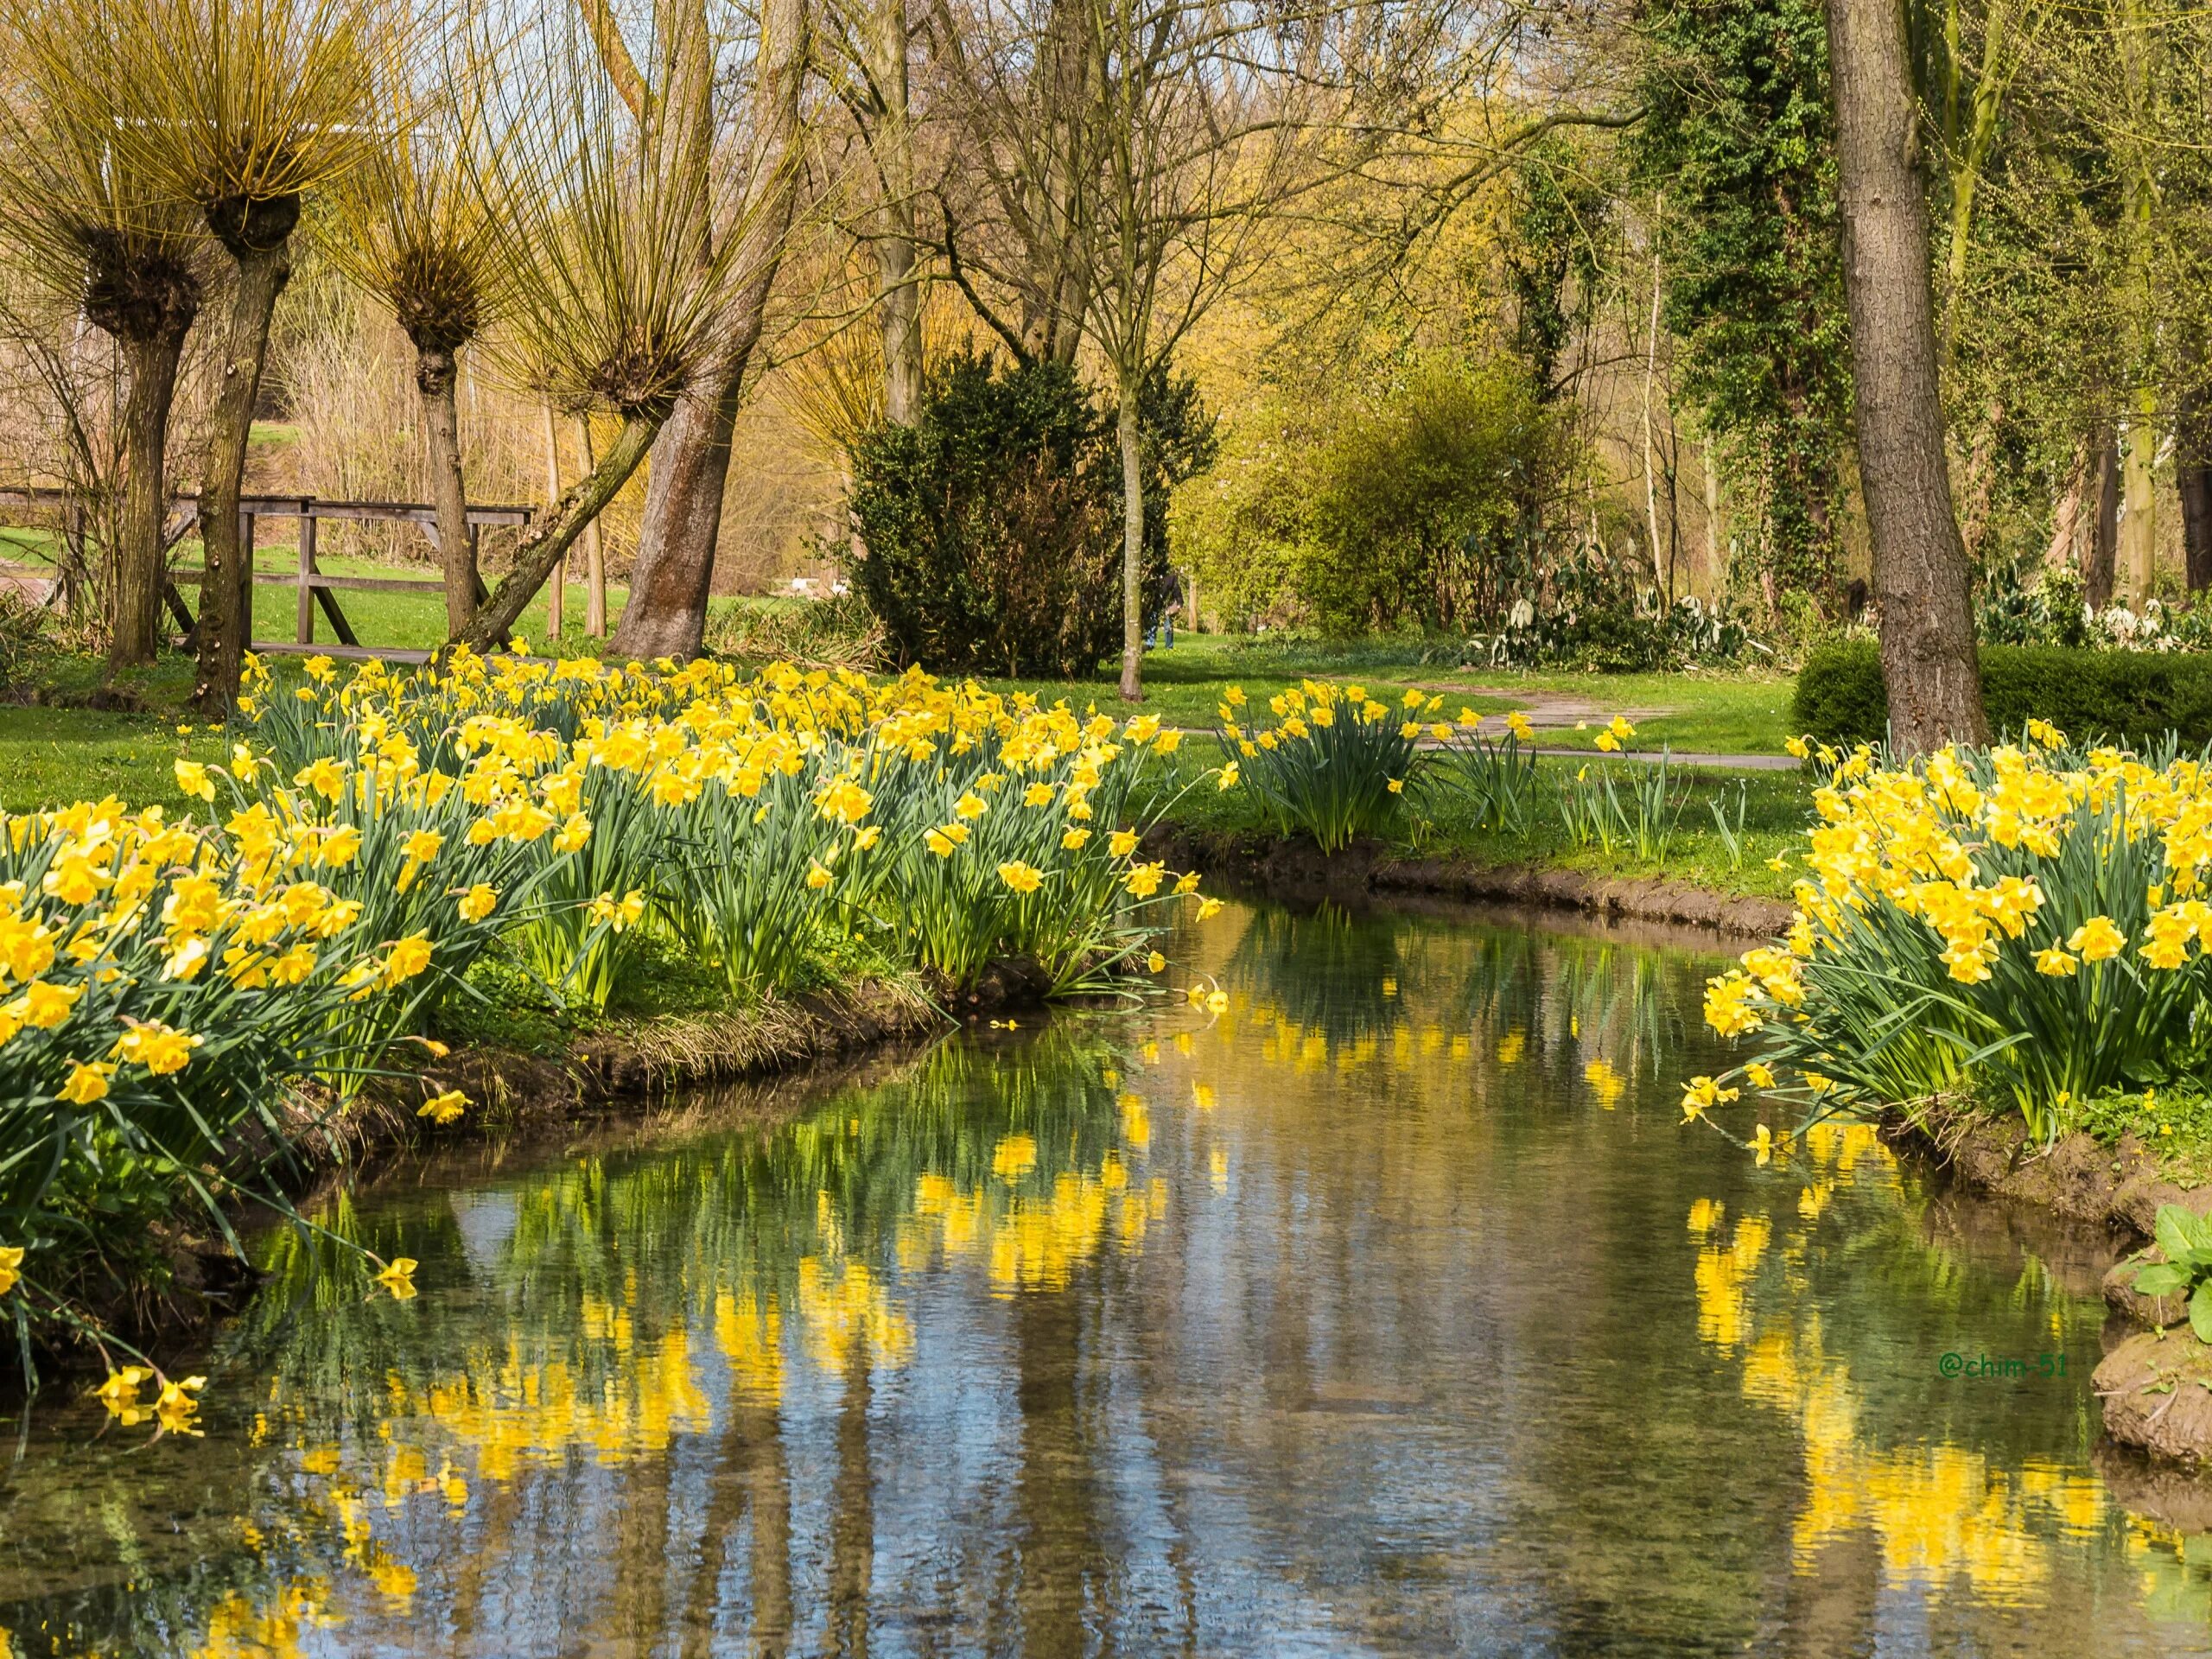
(1391, 1311)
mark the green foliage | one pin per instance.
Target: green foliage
(1334, 768)
(991, 529)
(2127, 696)
(1634, 812)
(1557, 216)
(988, 528)
(2184, 1238)
(1425, 509)
(1495, 782)
(1738, 137)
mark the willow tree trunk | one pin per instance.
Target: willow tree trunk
(140, 567)
(666, 615)
(434, 380)
(258, 237)
(1132, 546)
(547, 542)
(1920, 564)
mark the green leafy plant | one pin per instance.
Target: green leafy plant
(2185, 1240)
(1335, 764)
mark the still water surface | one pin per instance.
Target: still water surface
(1392, 1312)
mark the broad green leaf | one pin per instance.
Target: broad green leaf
(2161, 1279)
(2176, 1231)
(2200, 1312)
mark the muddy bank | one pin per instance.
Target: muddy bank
(2079, 1177)
(633, 1060)
(1297, 868)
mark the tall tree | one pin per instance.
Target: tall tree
(102, 230)
(630, 246)
(1739, 133)
(667, 612)
(414, 232)
(1920, 564)
(249, 106)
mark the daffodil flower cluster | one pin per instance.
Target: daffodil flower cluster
(752, 823)
(1336, 762)
(2024, 925)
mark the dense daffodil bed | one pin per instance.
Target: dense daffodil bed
(168, 985)
(2018, 927)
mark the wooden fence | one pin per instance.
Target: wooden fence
(315, 589)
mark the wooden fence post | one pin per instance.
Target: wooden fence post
(306, 570)
(553, 594)
(595, 549)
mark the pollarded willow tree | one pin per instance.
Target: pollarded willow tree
(244, 108)
(749, 145)
(630, 245)
(93, 224)
(414, 229)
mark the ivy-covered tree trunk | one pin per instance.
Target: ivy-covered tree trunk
(1920, 563)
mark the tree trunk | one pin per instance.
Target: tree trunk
(264, 265)
(666, 615)
(1132, 547)
(140, 567)
(674, 572)
(898, 297)
(2138, 520)
(2066, 513)
(434, 380)
(2193, 474)
(1920, 564)
(2104, 538)
(546, 543)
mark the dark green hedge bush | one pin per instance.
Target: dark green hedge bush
(989, 531)
(2130, 697)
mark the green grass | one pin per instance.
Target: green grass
(2173, 1126)
(1711, 711)
(49, 756)
(1776, 807)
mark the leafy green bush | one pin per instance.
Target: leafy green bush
(1426, 509)
(2128, 697)
(990, 530)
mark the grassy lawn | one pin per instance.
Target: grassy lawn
(1774, 807)
(1730, 712)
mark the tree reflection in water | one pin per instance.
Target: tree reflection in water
(1364, 1317)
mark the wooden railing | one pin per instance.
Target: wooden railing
(315, 589)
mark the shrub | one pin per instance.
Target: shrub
(2127, 696)
(990, 530)
(1425, 509)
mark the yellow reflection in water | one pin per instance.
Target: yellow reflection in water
(1940, 1513)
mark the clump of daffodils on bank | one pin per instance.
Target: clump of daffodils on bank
(180, 996)
(2019, 929)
